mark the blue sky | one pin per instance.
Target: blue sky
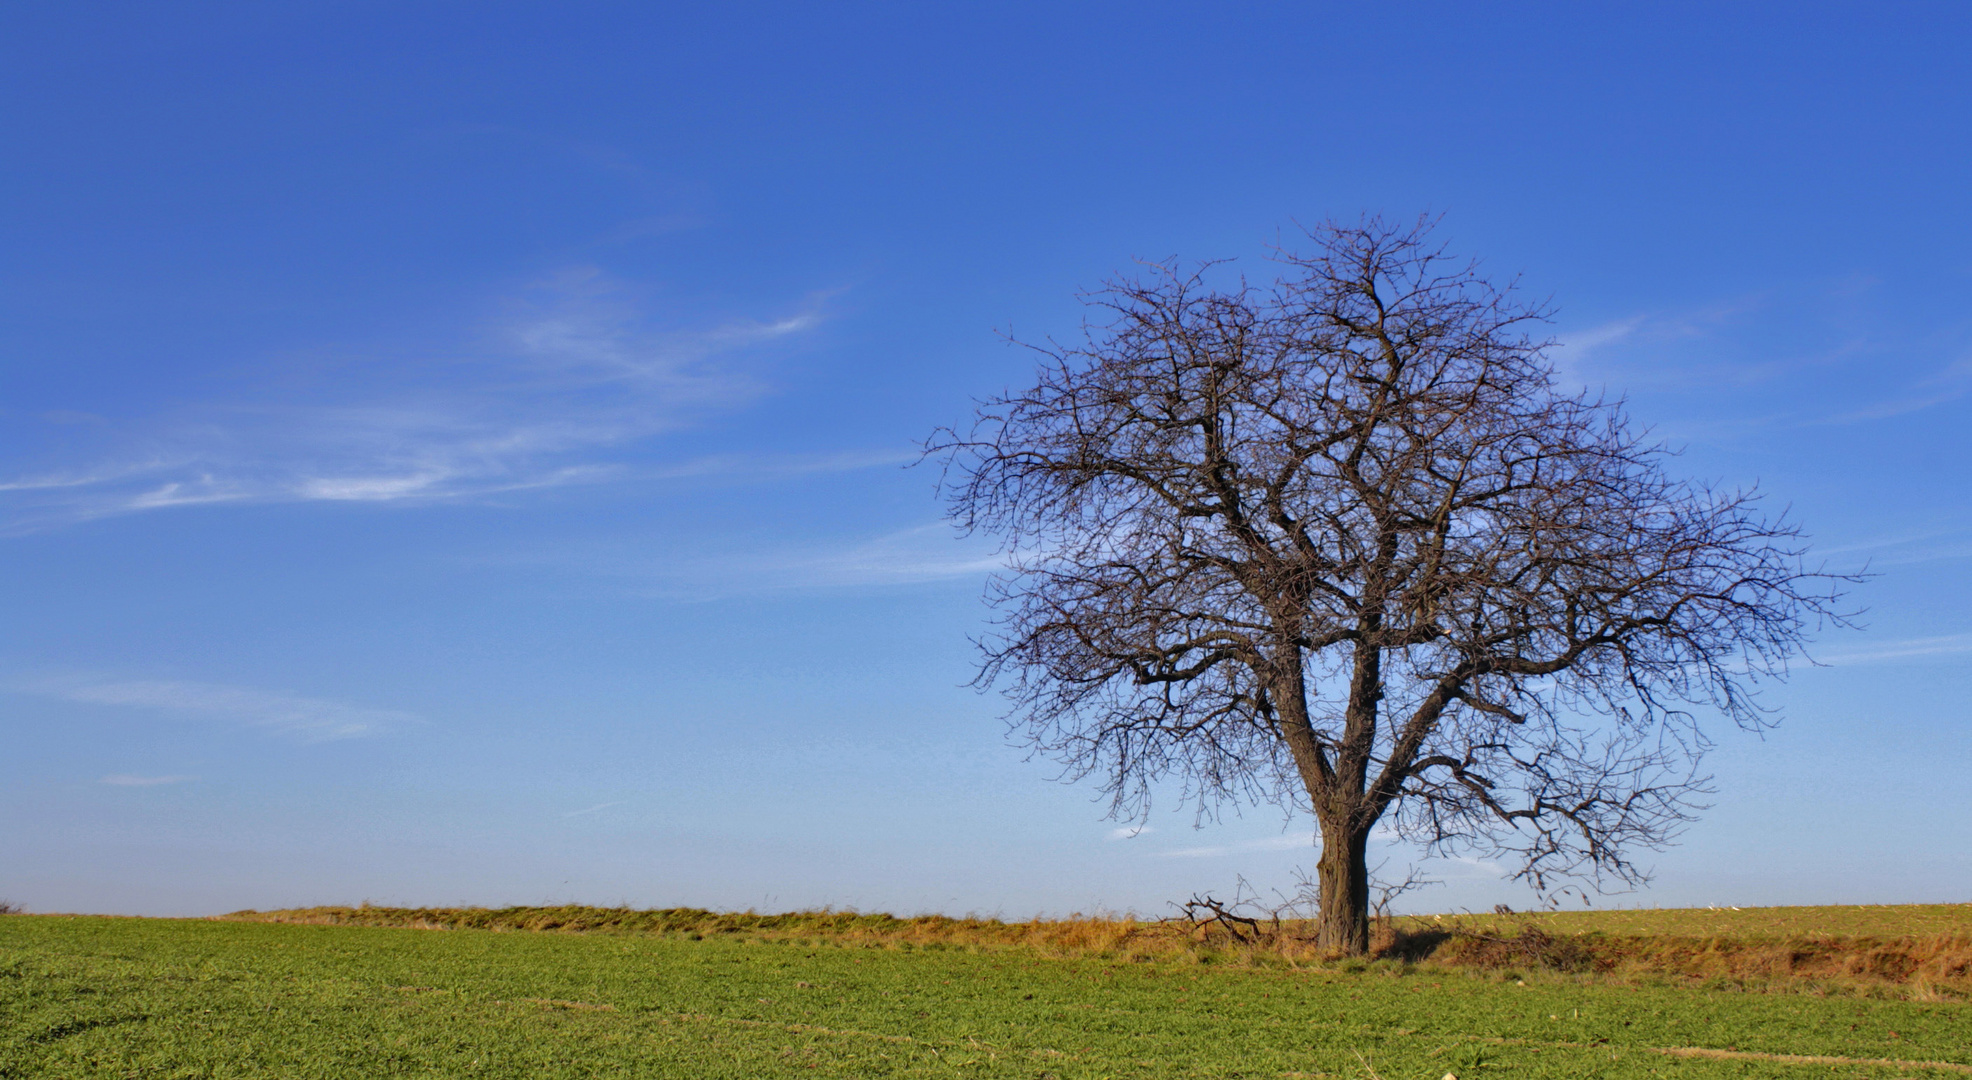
(452, 453)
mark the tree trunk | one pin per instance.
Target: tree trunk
(1344, 884)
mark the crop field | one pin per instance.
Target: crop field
(114, 997)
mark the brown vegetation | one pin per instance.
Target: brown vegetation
(1934, 961)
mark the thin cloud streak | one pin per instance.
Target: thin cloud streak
(1573, 350)
(1705, 350)
(311, 719)
(71, 480)
(1909, 549)
(1944, 386)
(1287, 842)
(916, 555)
(591, 810)
(1606, 356)
(1960, 550)
(1880, 543)
(1909, 648)
(1473, 867)
(752, 467)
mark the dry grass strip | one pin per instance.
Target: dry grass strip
(1920, 953)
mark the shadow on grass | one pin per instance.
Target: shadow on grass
(77, 1027)
(1412, 946)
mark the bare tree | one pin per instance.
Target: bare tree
(1342, 543)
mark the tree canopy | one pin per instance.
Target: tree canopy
(1345, 543)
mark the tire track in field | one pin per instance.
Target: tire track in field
(1804, 1059)
(973, 1044)
(817, 1029)
(1740, 1055)
(807, 1029)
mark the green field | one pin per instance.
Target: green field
(105, 997)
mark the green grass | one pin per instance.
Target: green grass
(101, 997)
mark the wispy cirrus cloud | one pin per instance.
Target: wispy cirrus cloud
(1941, 645)
(1575, 352)
(906, 556)
(1469, 866)
(1908, 548)
(762, 467)
(1781, 359)
(914, 555)
(311, 719)
(596, 809)
(556, 395)
(128, 780)
(1882, 543)
(1947, 384)
(922, 553)
(1672, 350)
